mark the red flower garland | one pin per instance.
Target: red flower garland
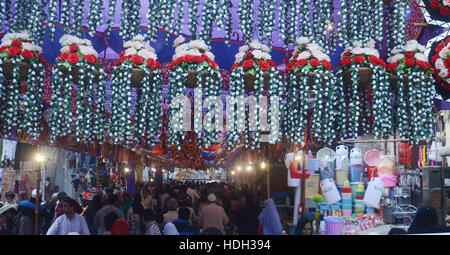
(197, 59)
(359, 59)
(392, 66)
(90, 59)
(16, 44)
(314, 62)
(327, 64)
(345, 62)
(301, 62)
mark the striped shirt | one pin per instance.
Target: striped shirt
(152, 229)
(63, 225)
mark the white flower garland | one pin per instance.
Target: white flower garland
(154, 15)
(130, 20)
(252, 138)
(21, 112)
(52, 11)
(146, 124)
(193, 17)
(227, 5)
(202, 63)
(89, 124)
(266, 22)
(245, 13)
(417, 123)
(344, 17)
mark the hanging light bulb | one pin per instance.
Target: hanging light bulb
(263, 165)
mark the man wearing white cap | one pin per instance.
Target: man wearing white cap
(8, 214)
(212, 215)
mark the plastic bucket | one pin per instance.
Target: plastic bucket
(372, 171)
(347, 213)
(354, 186)
(335, 206)
(359, 202)
(341, 176)
(355, 173)
(389, 181)
(324, 206)
(334, 225)
(312, 164)
(347, 196)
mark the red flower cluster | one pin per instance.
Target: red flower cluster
(438, 6)
(16, 44)
(14, 51)
(193, 59)
(410, 62)
(73, 58)
(153, 64)
(247, 64)
(91, 59)
(314, 62)
(345, 61)
(137, 60)
(236, 65)
(264, 65)
(303, 62)
(249, 55)
(27, 54)
(74, 48)
(359, 59)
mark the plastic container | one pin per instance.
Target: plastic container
(339, 187)
(372, 171)
(329, 191)
(361, 197)
(346, 190)
(389, 181)
(335, 206)
(373, 193)
(359, 202)
(355, 173)
(356, 157)
(347, 213)
(341, 176)
(347, 206)
(324, 206)
(372, 157)
(341, 157)
(354, 186)
(347, 201)
(370, 210)
(334, 225)
(322, 153)
(359, 210)
(312, 164)
(347, 196)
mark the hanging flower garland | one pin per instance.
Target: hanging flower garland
(266, 22)
(130, 21)
(344, 23)
(77, 15)
(111, 13)
(95, 16)
(77, 68)
(319, 22)
(36, 24)
(52, 13)
(209, 14)
(310, 84)
(193, 66)
(441, 64)
(193, 17)
(364, 73)
(411, 74)
(282, 16)
(168, 13)
(227, 5)
(254, 73)
(397, 23)
(154, 17)
(65, 15)
(137, 68)
(21, 85)
(245, 13)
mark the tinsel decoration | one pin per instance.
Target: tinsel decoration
(78, 71)
(138, 69)
(364, 73)
(412, 80)
(245, 13)
(21, 85)
(310, 84)
(193, 67)
(254, 74)
(130, 21)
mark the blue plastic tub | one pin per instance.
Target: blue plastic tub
(355, 173)
(347, 201)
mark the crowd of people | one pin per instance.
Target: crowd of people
(188, 208)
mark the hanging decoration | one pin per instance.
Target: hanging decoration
(440, 60)
(254, 73)
(193, 17)
(21, 85)
(245, 13)
(397, 18)
(193, 66)
(228, 19)
(95, 17)
(411, 79)
(168, 19)
(319, 21)
(78, 15)
(35, 20)
(310, 83)
(130, 21)
(139, 123)
(77, 71)
(439, 7)
(52, 19)
(266, 21)
(365, 93)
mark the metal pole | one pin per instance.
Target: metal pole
(36, 210)
(268, 182)
(303, 187)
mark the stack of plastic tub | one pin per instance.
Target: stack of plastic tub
(359, 206)
(347, 201)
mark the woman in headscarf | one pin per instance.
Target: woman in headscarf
(134, 213)
(92, 209)
(270, 219)
(426, 221)
(304, 226)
